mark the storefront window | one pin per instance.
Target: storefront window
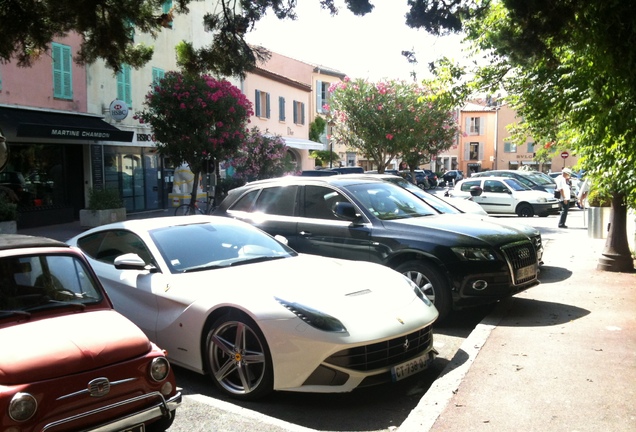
(135, 175)
(34, 176)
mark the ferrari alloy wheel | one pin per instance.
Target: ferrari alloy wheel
(238, 358)
(430, 282)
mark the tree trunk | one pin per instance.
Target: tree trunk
(195, 184)
(616, 256)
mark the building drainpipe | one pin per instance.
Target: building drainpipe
(496, 136)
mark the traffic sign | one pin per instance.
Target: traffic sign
(565, 155)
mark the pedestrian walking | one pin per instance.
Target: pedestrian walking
(563, 187)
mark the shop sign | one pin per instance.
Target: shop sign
(118, 109)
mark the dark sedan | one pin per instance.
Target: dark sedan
(457, 262)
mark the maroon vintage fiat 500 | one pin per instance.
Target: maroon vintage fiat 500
(68, 361)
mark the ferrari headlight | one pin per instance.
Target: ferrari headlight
(22, 407)
(474, 254)
(314, 318)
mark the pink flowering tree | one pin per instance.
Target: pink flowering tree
(196, 120)
(261, 156)
(388, 119)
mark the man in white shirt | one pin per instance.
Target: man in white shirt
(563, 186)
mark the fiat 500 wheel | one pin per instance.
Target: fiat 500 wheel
(431, 282)
(238, 358)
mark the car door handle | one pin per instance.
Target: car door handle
(306, 234)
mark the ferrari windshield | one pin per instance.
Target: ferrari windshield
(387, 201)
(205, 246)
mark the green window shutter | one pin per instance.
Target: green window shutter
(124, 91)
(295, 112)
(302, 113)
(62, 71)
(157, 75)
(281, 108)
(319, 99)
(257, 103)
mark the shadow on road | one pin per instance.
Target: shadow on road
(551, 274)
(537, 313)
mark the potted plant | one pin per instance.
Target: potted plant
(104, 206)
(8, 215)
(598, 213)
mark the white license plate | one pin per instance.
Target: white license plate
(410, 367)
(526, 272)
(555, 206)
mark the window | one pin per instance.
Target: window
(281, 108)
(157, 75)
(473, 151)
(494, 186)
(62, 72)
(322, 95)
(473, 125)
(320, 202)
(245, 203)
(299, 113)
(277, 201)
(465, 187)
(261, 102)
(530, 147)
(108, 245)
(124, 91)
(166, 9)
(510, 147)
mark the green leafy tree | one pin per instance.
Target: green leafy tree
(390, 118)
(317, 128)
(196, 119)
(261, 156)
(324, 157)
(572, 81)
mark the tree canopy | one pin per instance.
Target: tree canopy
(261, 156)
(569, 70)
(196, 119)
(29, 26)
(388, 119)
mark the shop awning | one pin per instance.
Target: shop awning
(27, 123)
(303, 144)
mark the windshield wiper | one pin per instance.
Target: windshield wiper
(257, 260)
(55, 304)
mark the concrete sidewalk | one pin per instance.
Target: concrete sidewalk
(558, 357)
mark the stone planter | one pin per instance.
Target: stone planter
(598, 219)
(8, 227)
(93, 218)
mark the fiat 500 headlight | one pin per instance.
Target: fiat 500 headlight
(159, 369)
(313, 317)
(22, 407)
(474, 254)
